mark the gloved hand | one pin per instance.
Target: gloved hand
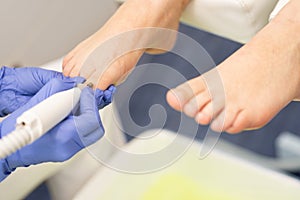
(18, 85)
(65, 139)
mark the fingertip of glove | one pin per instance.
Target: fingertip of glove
(76, 80)
(58, 75)
(108, 94)
(112, 89)
(57, 85)
(98, 93)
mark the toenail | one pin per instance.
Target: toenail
(177, 93)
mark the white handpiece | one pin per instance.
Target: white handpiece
(36, 121)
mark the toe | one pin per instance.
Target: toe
(179, 96)
(219, 124)
(174, 100)
(197, 103)
(210, 111)
(67, 70)
(224, 120)
(205, 115)
(240, 123)
(202, 118)
(75, 71)
(67, 59)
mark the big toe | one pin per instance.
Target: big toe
(173, 100)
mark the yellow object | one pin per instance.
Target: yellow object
(179, 187)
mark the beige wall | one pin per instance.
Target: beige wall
(33, 32)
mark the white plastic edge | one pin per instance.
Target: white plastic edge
(278, 8)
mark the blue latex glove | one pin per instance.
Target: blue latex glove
(66, 138)
(18, 85)
(104, 98)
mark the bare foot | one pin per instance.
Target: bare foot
(259, 80)
(133, 14)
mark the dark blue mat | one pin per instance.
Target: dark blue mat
(260, 141)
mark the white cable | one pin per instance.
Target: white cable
(13, 141)
(36, 121)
